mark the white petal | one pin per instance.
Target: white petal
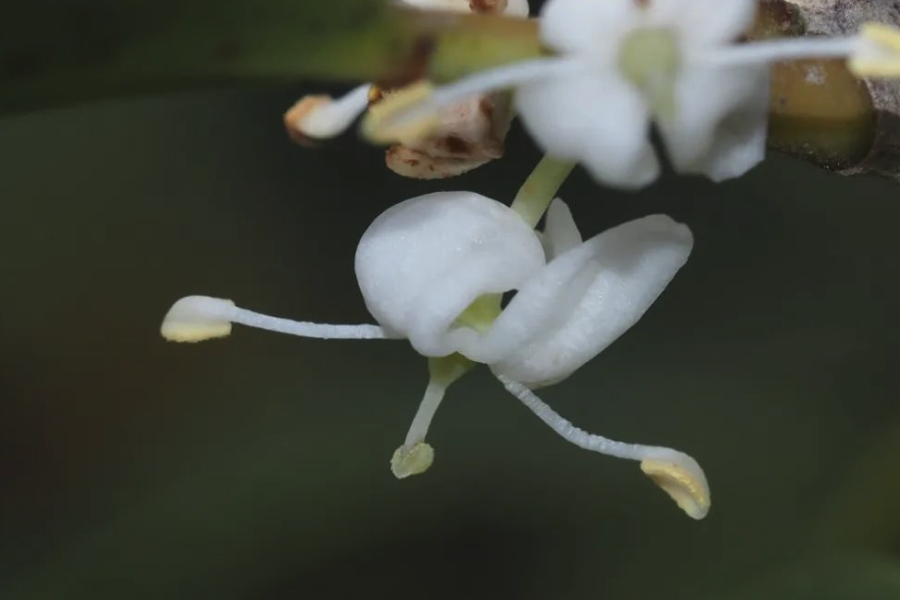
(584, 300)
(594, 26)
(597, 120)
(560, 232)
(722, 134)
(422, 262)
(704, 22)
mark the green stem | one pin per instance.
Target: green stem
(530, 203)
(540, 189)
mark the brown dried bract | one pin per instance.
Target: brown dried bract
(471, 134)
(488, 7)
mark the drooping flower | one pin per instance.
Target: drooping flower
(424, 262)
(622, 65)
(431, 270)
(467, 134)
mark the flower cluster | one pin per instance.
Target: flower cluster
(620, 66)
(433, 269)
(467, 134)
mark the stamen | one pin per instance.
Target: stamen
(412, 113)
(199, 318)
(676, 473)
(415, 456)
(320, 116)
(878, 54)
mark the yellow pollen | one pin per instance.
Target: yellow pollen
(412, 461)
(689, 492)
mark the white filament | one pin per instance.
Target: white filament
(780, 50)
(579, 437)
(500, 78)
(490, 80)
(308, 329)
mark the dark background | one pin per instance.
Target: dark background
(257, 467)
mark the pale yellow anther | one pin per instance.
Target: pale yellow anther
(402, 116)
(686, 486)
(878, 53)
(412, 460)
(295, 117)
(321, 117)
(197, 319)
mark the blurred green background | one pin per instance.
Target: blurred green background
(257, 467)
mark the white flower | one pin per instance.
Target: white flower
(633, 62)
(424, 261)
(431, 270)
(624, 64)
